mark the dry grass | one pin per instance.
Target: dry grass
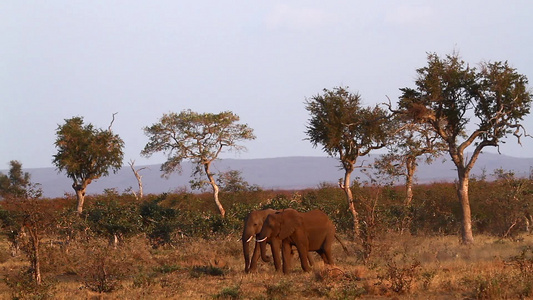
(402, 267)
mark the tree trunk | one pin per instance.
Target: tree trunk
(139, 179)
(80, 195)
(409, 178)
(215, 190)
(462, 192)
(351, 204)
(35, 255)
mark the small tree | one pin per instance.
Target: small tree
(409, 143)
(344, 128)
(233, 182)
(25, 217)
(449, 93)
(86, 153)
(197, 137)
(16, 183)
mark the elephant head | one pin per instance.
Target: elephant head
(280, 225)
(252, 226)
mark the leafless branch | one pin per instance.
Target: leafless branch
(112, 121)
(138, 176)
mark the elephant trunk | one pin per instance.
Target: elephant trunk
(246, 250)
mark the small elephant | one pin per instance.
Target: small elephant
(252, 226)
(309, 231)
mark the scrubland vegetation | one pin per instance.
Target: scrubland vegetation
(177, 246)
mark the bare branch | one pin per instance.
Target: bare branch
(112, 121)
(139, 178)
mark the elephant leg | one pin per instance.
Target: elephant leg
(264, 256)
(310, 258)
(328, 258)
(275, 247)
(304, 258)
(287, 257)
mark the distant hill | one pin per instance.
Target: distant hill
(270, 173)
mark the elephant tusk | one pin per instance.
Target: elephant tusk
(261, 240)
(250, 239)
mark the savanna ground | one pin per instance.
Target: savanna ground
(401, 266)
(175, 246)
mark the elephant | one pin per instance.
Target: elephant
(252, 226)
(309, 231)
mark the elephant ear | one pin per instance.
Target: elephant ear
(290, 222)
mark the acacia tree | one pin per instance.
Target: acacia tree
(449, 93)
(344, 128)
(410, 142)
(198, 137)
(86, 153)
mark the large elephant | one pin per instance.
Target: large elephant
(252, 226)
(309, 231)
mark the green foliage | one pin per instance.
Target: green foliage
(198, 271)
(17, 184)
(344, 128)
(194, 136)
(85, 152)
(158, 222)
(232, 292)
(110, 219)
(446, 89)
(233, 182)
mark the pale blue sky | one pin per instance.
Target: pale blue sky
(259, 59)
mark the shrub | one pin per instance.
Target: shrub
(23, 286)
(280, 290)
(400, 278)
(112, 220)
(198, 271)
(158, 222)
(232, 292)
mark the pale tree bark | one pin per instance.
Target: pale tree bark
(462, 192)
(345, 186)
(463, 174)
(214, 185)
(411, 168)
(80, 193)
(139, 179)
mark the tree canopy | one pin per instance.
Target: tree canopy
(198, 137)
(16, 183)
(343, 127)
(86, 153)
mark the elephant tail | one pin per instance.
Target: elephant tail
(342, 244)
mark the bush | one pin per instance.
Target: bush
(23, 286)
(159, 223)
(112, 220)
